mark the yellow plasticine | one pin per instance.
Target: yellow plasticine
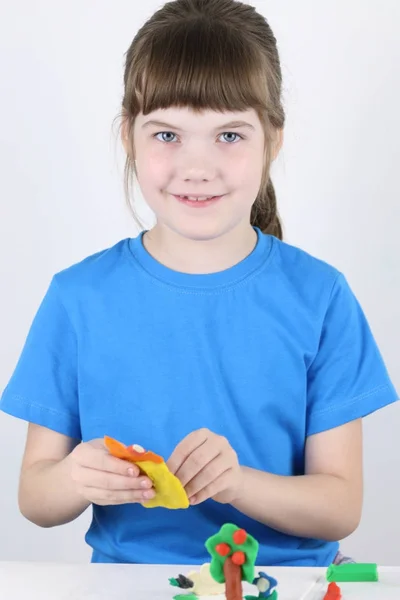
(204, 584)
(169, 491)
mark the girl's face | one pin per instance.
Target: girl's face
(200, 173)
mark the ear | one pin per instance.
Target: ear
(125, 134)
(278, 143)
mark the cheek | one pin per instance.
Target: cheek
(247, 168)
(153, 167)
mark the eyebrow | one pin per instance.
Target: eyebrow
(169, 126)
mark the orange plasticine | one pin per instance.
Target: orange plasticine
(119, 450)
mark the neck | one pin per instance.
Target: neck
(200, 256)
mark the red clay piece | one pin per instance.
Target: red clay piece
(333, 593)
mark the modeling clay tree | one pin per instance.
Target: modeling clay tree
(233, 553)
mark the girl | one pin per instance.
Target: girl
(244, 361)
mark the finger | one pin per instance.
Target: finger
(201, 460)
(206, 476)
(98, 443)
(113, 497)
(186, 447)
(213, 488)
(111, 481)
(96, 458)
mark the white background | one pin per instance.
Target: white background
(61, 194)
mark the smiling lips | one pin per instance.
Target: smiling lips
(196, 200)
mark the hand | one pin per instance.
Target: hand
(207, 466)
(103, 479)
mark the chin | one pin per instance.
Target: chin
(202, 232)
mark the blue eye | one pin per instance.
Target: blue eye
(236, 136)
(165, 136)
(169, 137)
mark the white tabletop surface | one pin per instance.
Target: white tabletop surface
(53, 581)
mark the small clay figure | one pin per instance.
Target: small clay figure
(265, 584)
(182, 582)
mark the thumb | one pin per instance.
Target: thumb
(98, 444)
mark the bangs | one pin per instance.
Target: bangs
(199, 65)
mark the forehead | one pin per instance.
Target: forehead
(187, 119)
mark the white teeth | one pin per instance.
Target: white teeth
(197, 199)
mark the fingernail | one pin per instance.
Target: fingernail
(131, 471)
(145, 483)
(148, 494)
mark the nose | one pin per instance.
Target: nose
(196, 165)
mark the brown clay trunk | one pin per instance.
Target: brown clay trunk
(233, 580)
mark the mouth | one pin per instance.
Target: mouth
(196, 200)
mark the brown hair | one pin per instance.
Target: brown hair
(208, 54)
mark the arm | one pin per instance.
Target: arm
(47, 494)
(61, 477)
(324, 503)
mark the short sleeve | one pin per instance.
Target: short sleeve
(43, 388)
(347, 379)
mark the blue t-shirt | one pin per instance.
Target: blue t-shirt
(265, 353)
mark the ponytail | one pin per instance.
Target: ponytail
(264, 213)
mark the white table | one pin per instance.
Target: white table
(53, 581)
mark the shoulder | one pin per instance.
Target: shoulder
(303, 275)
(94, 277)
(296, 262)
(96, 265)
